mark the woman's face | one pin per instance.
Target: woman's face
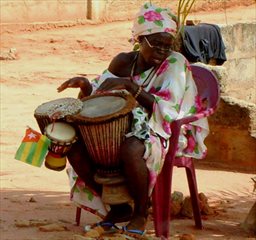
(156, 47)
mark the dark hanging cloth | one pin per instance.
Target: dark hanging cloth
(203, 42)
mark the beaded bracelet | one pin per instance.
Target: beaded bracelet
(138, 92)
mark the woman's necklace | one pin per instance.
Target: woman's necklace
(148, 78)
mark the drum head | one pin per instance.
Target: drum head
(104, 107)
(60, 132)
(62, 106)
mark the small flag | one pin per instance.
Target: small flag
(33, 148)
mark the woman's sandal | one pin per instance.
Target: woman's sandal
(133, 233)
(100, 228)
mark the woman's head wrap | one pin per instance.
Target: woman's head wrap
(151, 19)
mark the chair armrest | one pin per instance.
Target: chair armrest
(176, 127)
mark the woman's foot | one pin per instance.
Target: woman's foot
(136, 227)
(119, 213)
(100, 228)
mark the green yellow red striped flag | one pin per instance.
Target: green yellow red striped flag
(33, 148)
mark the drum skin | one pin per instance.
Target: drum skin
(56, 110)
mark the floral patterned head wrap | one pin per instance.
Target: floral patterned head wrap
(151, 19)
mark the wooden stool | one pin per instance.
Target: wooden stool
(114, 189)
(114, 192)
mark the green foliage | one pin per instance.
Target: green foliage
(184, 8)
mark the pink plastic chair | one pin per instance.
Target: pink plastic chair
(208, 89)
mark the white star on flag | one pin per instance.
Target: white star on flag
(31, 135)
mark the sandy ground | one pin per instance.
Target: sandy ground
(45, 59)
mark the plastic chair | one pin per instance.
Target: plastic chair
(78, 215)
(208, 89)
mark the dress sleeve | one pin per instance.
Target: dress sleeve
(96, 82)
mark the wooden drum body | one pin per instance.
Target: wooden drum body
(103, 122)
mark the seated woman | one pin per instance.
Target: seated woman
(161, 81)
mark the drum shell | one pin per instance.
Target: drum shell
(103, 143)
(42, 121)
(55, 162)
(60, 148)
(60, 144)
(103, 134)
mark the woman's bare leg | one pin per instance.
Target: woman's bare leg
(80, 161)
(136, 174)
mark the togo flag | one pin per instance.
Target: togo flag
(33, 148)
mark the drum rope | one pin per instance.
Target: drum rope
(53, 117)
(53, 124)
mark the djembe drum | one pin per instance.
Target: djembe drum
(103, 122)
(56, 110)
(51, 118)
(62, 136)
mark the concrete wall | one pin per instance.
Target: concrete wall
(124, 10)
(232, 140)
(28, 11)
(240, 42)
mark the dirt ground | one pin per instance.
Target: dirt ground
(35, 196)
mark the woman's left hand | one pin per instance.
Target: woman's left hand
(115, 84)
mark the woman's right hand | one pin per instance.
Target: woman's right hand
(75, 82)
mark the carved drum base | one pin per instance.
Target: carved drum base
(114, 189)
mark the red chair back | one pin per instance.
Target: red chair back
(207, 85)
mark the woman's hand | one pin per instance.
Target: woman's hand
(117, 84)
(75, 82)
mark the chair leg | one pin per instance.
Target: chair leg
(78, 215)
(161, 203)
(191, 177)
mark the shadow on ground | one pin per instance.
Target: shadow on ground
(48, 207)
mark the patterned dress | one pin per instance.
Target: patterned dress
(176, 96)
